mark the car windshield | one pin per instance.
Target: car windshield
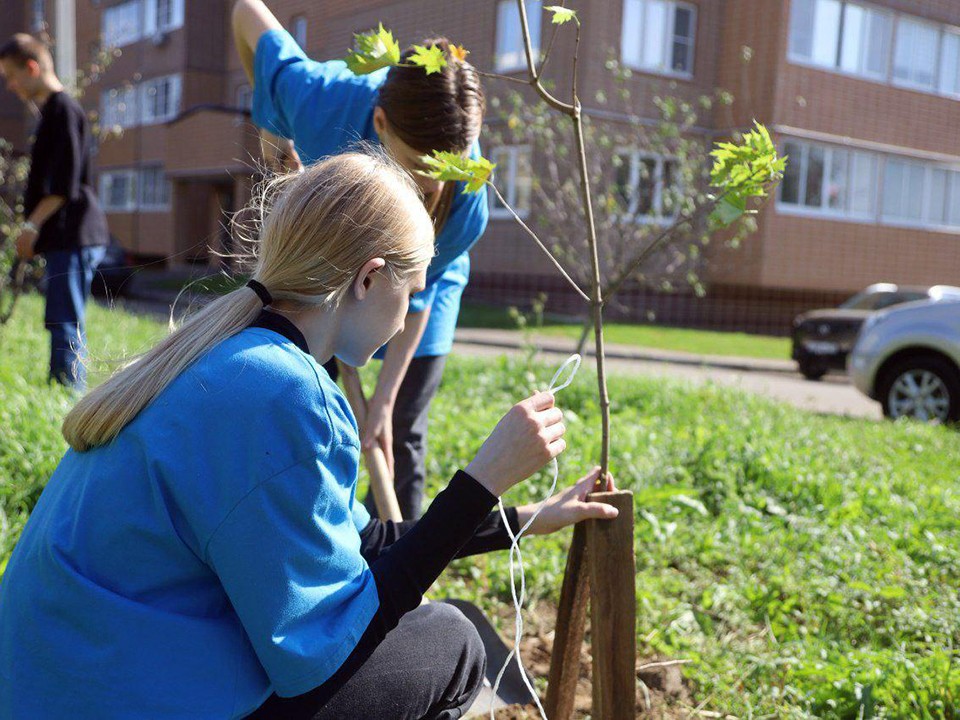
(864, 301)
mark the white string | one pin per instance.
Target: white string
(516, 558)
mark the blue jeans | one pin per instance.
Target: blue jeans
(69, 276)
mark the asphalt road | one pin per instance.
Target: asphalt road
(833, 395)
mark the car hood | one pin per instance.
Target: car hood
(833, 314)
(925, 311)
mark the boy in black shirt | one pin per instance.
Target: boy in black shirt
(65, 223)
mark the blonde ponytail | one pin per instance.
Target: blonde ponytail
(318, 228)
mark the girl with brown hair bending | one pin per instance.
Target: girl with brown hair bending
(321, 108)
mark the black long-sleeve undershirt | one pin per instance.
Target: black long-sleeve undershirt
(490, 535)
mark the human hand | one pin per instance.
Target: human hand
(25, 242)
(524, 440)
(378, 429)
(569, 506)
(279, 154)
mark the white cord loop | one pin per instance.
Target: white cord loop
(516, 558)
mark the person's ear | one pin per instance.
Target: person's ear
(33, 68)
(380, 123)
(365, 277)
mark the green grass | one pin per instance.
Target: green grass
(701, 342)
(807, 566)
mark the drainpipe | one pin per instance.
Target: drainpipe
(65, 32)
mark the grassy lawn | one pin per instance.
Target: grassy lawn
(806, 566)
(701, 342)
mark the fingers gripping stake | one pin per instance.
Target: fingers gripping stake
(516, 558)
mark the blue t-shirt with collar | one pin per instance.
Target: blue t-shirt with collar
(326, 109)
(207, 557)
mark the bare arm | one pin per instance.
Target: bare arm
(251, 19)
(45, 209)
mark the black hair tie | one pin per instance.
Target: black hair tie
(265, 297)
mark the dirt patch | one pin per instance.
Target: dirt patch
(662, 690)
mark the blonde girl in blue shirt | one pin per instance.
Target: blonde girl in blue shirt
(316, 109)
(199, 552)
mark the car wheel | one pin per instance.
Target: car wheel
(923, 388)
(812, 371)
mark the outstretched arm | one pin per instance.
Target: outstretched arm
(251, 19)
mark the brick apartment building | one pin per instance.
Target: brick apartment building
(863, 96)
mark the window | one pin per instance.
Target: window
(160, 99)
(129, 190)
(154, 189)
(121, 24)
(950, 63)
(829, 180)
(921, 193)
(161, 16)
(118, 107)
(118, 190)
(647, 187)
(510, 53)
(874, 43)
(865, 41)
(298, 28)
(513, 177)
(658, 35)
(915, 58)
(847, 36)
(38, 16)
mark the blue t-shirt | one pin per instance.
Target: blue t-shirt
(208, 556)
(325, 109)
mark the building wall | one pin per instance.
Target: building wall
(741, 46)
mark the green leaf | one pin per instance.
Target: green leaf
(729, 210)
(430, 59)
(446, 166)
(373, 50)
(561, 14)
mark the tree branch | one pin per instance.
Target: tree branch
(665, 234)
(553, 37)
(498, 76)
(553, 102)
(556, 263)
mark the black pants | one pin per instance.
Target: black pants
(410, 412)
(430, 666)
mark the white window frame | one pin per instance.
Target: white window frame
(174, 84)
(515, 60)
(106, 179)
(666, 50)
(635, 158)
(134, 34)
(512, 154)
(888, 78)
(954, 31)
(164, 183)
(925, 222)
(879, 214)
(862, 70)
(934, 86)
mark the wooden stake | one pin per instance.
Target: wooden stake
(381, 482)
(568, 634)
(613, 609)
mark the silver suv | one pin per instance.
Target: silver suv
(908, 359)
